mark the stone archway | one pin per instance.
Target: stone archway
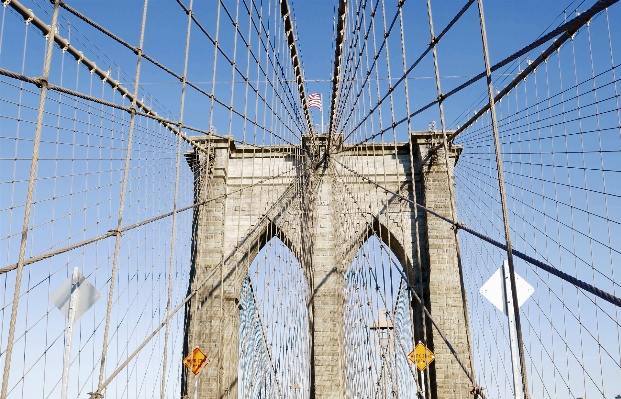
(324, 229)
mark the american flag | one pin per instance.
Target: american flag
(314, 100)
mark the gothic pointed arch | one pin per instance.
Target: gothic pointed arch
(385, 235)
(274, 353)
(380, 331)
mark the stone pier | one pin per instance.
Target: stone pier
(308, 209)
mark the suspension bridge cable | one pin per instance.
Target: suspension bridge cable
(552, 270)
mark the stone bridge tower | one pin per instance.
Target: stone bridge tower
(309, 222)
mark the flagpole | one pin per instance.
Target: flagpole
(321, 113)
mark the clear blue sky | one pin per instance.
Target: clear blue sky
(511, 25)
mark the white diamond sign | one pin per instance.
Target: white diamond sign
(494, 288)
(85, 296)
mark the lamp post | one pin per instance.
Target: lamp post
(296, 389)
(382, 327)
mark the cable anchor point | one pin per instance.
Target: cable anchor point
(477, 391)
(30, 17)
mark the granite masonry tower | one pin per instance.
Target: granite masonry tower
(302, 207)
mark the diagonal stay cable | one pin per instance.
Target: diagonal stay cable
(567, 30)
(241, 74)
(105, 76)
(112, 233)
(194, 291)
(160, 65)
(264, 339)
(170, 125)
(410, 287)
(351, 72)
(278, 67)
(375, 57)
(373, 229)
(103, 386)
(338, 55)
(550, 269)
(295, 60)
(430, 46)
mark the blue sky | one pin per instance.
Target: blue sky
(510, 24)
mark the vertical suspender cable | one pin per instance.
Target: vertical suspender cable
(174, 216)
(117, 244)
(424, 385)
(449, 182)
(336, 74)
(503, 201)
(28, 204)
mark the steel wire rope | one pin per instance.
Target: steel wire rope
(27, 330)
(104, 75)
(347, 74)
(619, 123)
(574, 28)
(585, 286)
(428, 315)
(342, 105)
(550, 238)
(76, 94)
(257, 29)
(518, 200)
(569, 205)
(174, 220)
(244, 343)
(273, 65)
(465, 140)
(109, 234)
(490, 210)
(126, 289)
(18, 125)
(259, 305)
(552, 325)
(517, 56)
(432, 45)
(344, 232)
(138, 319)
(383, 296)
(540, 35)
(31, 183)
(551, 117)
(263, 329)
(450, 183)
(269, 348)
(414, 195)
(376, 56)
(81, 37)
(574, 24)
(392, 113)
(92, 335)
(153, 61)
(504, 332)
(502, 325)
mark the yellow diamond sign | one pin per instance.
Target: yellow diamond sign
(195, 361)
(421, 356)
